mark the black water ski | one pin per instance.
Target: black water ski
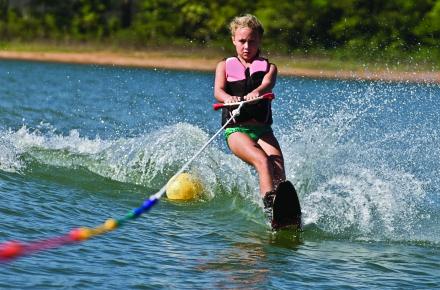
(286, 208)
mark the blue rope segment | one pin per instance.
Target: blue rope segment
(148, 203)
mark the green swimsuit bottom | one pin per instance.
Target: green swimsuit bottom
(254, 132)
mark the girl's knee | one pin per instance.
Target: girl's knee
(263, 163)
(278, 166)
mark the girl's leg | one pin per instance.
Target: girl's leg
(251, 152)
(272, 148)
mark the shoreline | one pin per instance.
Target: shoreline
(159, 60)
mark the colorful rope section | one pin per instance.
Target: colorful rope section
(14, 249)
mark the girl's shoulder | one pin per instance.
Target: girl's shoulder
(222, 61)
(221, 66)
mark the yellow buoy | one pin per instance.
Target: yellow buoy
(184, 187)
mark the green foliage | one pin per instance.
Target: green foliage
(428, 30)
(374, 26)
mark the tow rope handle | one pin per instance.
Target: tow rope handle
(267, 96)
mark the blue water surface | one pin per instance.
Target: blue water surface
(82, 143)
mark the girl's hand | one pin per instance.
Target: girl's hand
(251, 96)
(232, 99)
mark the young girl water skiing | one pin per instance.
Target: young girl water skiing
(245, 77)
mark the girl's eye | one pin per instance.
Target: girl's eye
(250, 42)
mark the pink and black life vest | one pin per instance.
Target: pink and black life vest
(239, 82)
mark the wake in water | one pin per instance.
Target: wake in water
(9, 154)
(363, 177)
(149, 160)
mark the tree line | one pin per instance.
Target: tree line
(290, 25)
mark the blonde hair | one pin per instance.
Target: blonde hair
(246, 21)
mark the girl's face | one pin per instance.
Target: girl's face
(247, 42)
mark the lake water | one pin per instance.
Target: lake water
(80, 144)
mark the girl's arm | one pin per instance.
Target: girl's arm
(267, 84)
(220, 84)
